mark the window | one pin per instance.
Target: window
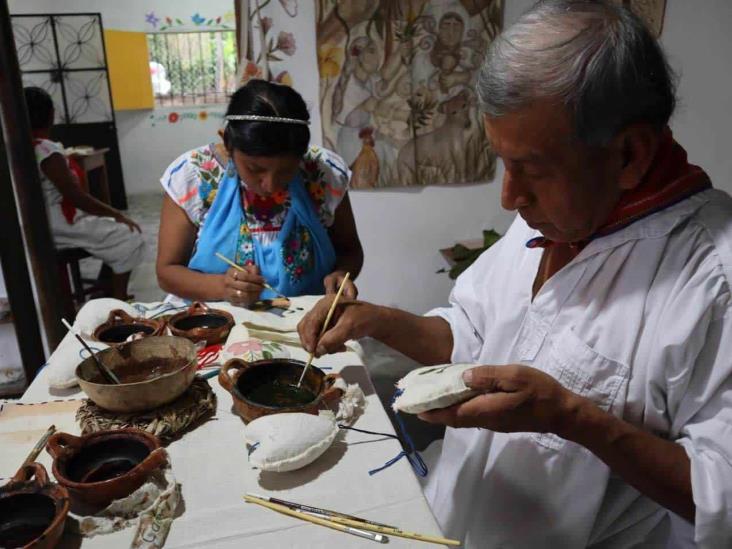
(192, 68)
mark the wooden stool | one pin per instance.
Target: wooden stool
(75, 288)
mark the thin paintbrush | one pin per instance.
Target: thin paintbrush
(325, 325)
(40, 445)
(317, 518)
(242, 270)
(319, 510)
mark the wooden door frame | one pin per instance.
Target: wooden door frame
(19, 179)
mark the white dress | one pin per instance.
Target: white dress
(639, 322)
(102, 237)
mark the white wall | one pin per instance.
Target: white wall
(402, 229)
(147, 149)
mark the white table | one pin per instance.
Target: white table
(211, 464)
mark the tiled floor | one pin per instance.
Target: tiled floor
(145, 210)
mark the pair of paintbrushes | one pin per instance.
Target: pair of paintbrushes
(375, 531)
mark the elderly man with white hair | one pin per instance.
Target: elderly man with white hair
(600, 324)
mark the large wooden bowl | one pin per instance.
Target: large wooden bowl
(240, 378)
(175, 355)
(32, 510)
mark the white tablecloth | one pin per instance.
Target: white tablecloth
(211, 464)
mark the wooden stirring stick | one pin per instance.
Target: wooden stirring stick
(325, 326)
(106, 372)
(40, 445)
(242, 270)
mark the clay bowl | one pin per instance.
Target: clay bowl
(119, 326)
(32, 509)
(153, 372)
(104, 466)
(199, 323)
(263, 387)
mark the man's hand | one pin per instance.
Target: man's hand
(351, 320)
(515, 398)
(243, 288)
(333, 281)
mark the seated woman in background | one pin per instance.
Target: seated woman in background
(77, 219)
(265, 200)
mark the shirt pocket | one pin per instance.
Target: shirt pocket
(584, 371)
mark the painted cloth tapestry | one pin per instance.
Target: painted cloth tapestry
(268, 47)
(397, 96)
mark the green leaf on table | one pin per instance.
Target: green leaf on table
(490, 237)
(460, 252)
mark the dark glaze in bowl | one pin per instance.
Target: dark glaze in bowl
(265, 387)
(199, 323)
(32, 510)
(103, 466)
(119, 326)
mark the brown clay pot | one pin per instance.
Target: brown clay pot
(174, 357)
(200, 323)
(32, 510)
(242, 379)
(100, 467)
(119, 326)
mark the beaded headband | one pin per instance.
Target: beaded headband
(258, 118)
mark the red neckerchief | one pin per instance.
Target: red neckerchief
(670, 179)
(67, 206)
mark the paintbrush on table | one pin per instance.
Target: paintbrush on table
(317, 518)
(336, 518)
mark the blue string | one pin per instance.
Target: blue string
(84, 354)
(412, 455)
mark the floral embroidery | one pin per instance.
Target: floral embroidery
(266, 211)
(256, 349)
(244, 247)
(266, 214)
(297, 253)
(210, 172)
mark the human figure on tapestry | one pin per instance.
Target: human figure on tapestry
(75, 217)
(444, 149)
(447, 54)
(262, 197)
(354, 96)
(366, 166)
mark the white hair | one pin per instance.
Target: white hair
(598, 59)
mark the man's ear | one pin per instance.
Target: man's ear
(637, 145)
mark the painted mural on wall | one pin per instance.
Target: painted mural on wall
(177, 117)
(397, 93)
(199, 21)
(270, 40)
